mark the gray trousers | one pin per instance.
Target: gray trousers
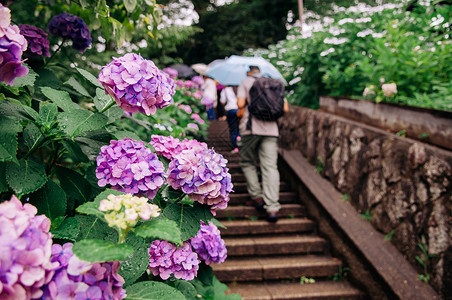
(266, 148)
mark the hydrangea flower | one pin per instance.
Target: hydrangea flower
(25, 249)
(38, 44)
(12, 45)
(203, 176)
(166, 259)
(180, 83)
(128, 166)
(172, 73)
(136, 84)
(193, 126)
(189, 84)
(124, 210)
(389, 89)
(186, 108)
(197, 118)
(77, 279)
(170, 147)
(197, 95)
(71, 27)
(198, 81)
(209, 245)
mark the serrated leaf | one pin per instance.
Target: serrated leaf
(68, 230)
(9, 128)
(113, 113)
(92, 207)
(75, 151)
(47, 114)
(22, 112)
(101, 100)
(3, 184)
(93, 228)
(90, 77)
(136, 264)
(153, 290)
(32, 135)
(50, 200)
(28, 79)
(47, 78)
(162, 229)
(186, 288)
(90, 147)
(101, 251)
(74, 184)
(77, 86)
(60, 98)
(188, 218)
(77, 121)
(130, 5)
(26, 177)
(119, 135)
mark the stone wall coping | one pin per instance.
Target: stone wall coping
(388, 262)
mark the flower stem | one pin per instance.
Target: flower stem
(53, 54)
(122, 236)
(108, 106)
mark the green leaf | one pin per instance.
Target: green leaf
(32, 135)
(3, 184)
(153, 290)
(75, 151)
(101, 251)
(162, 229)
(26, 177)
(218, 223)
(136, 264)
(28, 79)
(188, 218)
(77, 86)
(101, 100)
(93, 228)
(186, 288)
(74, 184)
(90, 77)
(77, 121)
(60, 98)
(130, 5)
(23, 112)
(113, 113)
(50, 200)
(119, 135)
(48, 78)
(47, 114)
(92, 207)
(68, 230)
(9, 128)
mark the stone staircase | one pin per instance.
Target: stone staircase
(267, 260)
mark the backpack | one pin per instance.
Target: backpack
(267, 99)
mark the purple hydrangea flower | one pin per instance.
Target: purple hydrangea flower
(193, 126)
(12, 45)
(136, 84)
(197, 95)
(209, 245)
(197, 118)
(166, 259)
(71, 27)
(186, 108)
(189, 84)
(198, 80)
(180, 83)
(170, 147)
(203, 176)
(172, 73)
(77, 279)
(128, 166)
(25, 249)
(38, 44)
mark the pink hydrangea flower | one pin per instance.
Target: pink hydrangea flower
(172, 73)
(197, 118)
(197, 95)
(193, 125)
(170, 147)
(77, 279)
(128, 166)
(189, 84)
(209, 245)
(12, 45)
(203, 176)
(25, 249)
(180, 83)
(198, 81)
(166, 259)
(136, 84)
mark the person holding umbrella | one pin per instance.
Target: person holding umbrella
(209, 89)
(260, 140)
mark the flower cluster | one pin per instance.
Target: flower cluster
(198, 80)
(172, 73)
(124, 210)
(12, 45)
(77, 279)
(197, 95)
(389, 89)
(166, 259)
(136, 84)
(38, 44)
(197, 118)
(209, 245)
(71, 27)
(203, 176)
(128, 166)
(25, 249)
(189, 84)
(169, 147)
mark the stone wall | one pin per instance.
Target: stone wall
(404, 185)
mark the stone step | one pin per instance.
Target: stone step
(238, 177)
(246, 212)
(284, 197)
(262, 227)
(274, 245)
(320, 290)
(275, 268)
(240, 187)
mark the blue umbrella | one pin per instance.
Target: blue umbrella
(233, 70)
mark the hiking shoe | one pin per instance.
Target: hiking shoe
(272, 217)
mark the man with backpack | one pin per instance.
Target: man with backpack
(263, 102)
